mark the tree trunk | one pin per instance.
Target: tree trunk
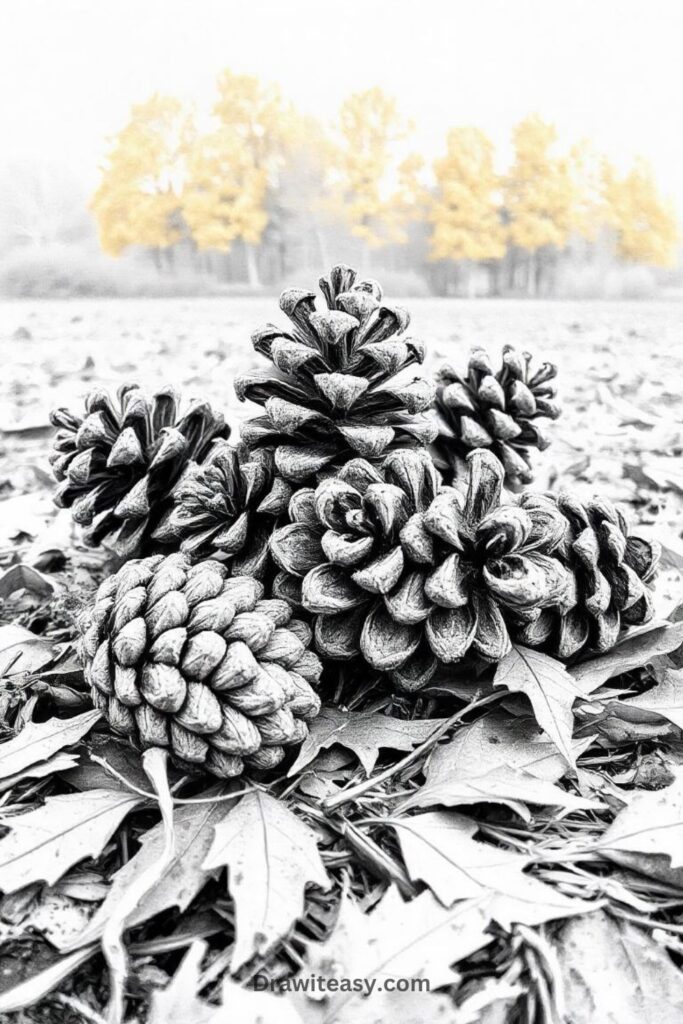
(531, 275)
(252, 266)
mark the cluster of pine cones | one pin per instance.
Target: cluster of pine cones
(367, 514)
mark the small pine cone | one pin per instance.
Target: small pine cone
(500, 411)
(611, 570)
(184, 657)
(337, 390)
(118, 464)
(227, 507)
(409, 574)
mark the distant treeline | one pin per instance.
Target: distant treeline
(252, 190)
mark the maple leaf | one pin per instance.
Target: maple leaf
(549, 687)
(615, 973)
(417, 939)
(44, 843)
(23, 651)
(270, 855)
(438, 848)
(193, 826)
(498, 759)
(39, 741)
(651, 823)
(664, 700)
(634, 651)
(363, 733)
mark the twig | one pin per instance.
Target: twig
(334, 802)
(78, 1007)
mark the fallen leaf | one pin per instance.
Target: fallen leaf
(270, 855)
(38, 741)
(363, 733)
(193, 826)
(25, 577)
(498, 759)
(664, 471)
(664, 699)
(44, 843)
(634, 651)
(439, 849)
(417, 939)
(59, 763)
(652, 822)
(179, 1003)
(614, 973)
(22, 651)
(549, 687)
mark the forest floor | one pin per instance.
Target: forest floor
(620, 381)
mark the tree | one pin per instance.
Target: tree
(378, 186)
(244, 154)
(645, 225)
(539, 196)
(138, 199)
(224, 196)
(465, 210)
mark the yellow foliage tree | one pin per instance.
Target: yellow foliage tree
(234, 167)
(465, 211)
(379, 190)
(224, 198)
(645, 225)
(137, 201)
(539, 194)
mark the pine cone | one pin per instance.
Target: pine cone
(180, 656)
(335, 392)
(498, 411)
(612, 571)
(228, 506)
(409, 577)
(119, 463)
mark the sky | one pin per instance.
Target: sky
(601, 70)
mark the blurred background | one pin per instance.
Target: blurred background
(454, 148)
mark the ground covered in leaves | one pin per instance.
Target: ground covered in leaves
(519, 875)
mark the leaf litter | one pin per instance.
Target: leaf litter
(495, 836)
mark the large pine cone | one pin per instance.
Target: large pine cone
(409, 577)
(612, 570)
(337, 390)
(180, 656)
(500, 411)
(228, 507)
(118, 463)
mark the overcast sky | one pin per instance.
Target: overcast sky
(609, 71)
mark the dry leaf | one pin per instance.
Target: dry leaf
(193, 827)
(636, 650)
(39, 741)
(364, 734)
(44, 843)
(651, 823)
(23, 651)
(549, 687)
(498, 759)
(439, 849)
(614, 973)
(417, 939)
(270, 855)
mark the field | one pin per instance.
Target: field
(621, 434)
(620, 372)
